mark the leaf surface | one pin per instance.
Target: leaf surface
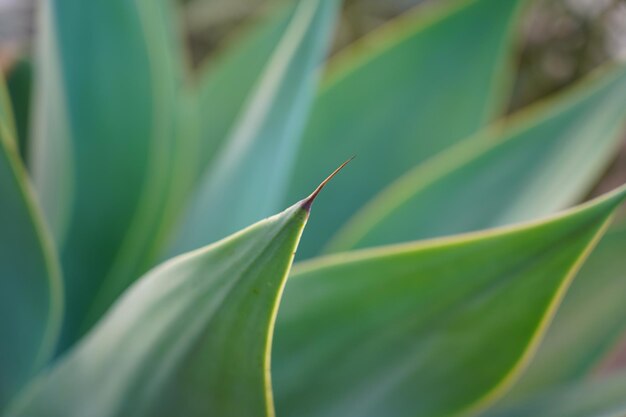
(106, 149)
(248, 178)
(387, 97)
(6, 112)
(191, 338)
(226, 81)
(541, 160)
(426, 329)
(19, 84)
(595, 398)
(30, 283)
(588, 325)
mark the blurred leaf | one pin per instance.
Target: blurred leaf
(540, 161)
(400, 96)
(601, 398)
(30, 283)
(228, 80)
(426, 329)
(589, 323)
(6, 112)
(170, 175)
(19, 83)
(105, 159)
(191, 338)
(247, 180)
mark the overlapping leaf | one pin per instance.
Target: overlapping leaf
(248, 178)
(400, 96)
(542, 160)
(19, 84)
(30, 285)
(191, 338)
(588, 325)
(106, 164)
(227, 81)
(426, 329)
(6, 113)
(600, 398)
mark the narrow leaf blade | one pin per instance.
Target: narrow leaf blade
(248, 178)
(104, 147)
(385, 102)
(227, 80)
(30, 282)
(6, 112)
(19, 84)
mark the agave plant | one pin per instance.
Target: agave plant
(431, 280)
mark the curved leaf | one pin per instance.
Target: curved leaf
(386, 101)
(588, 325)
(601, 398)
(227, 81)
(104, 152)
(170, 176)
(540, 161)
(30, 283)
(191, 338)
(426, 329)
(6, 112)
(19, 84)
(247, 180)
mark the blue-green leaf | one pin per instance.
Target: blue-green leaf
(30, 283)
(192, 338)
(6, 112)
(400, 96)
(19, 85)
(588, 326)
(592, 398)
(227, 80)
(248, 178)
(537, 162)
(426, 329)
(107, 152)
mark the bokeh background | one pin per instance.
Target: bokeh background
(559, 41)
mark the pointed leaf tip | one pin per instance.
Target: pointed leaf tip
(308, 202)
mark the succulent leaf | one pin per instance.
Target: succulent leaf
(399, 96)
(30, 284)
(106, 158)
(232, 192)
(542, 160)
(589, 324)
(433, 328)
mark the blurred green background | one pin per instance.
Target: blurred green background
(561, 40)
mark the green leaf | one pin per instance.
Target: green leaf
(539, 161)
(170, 176)
(426, 329)
(599, 398)
(30, 283)
(228, 79)
(247, 180)
(6, 112)
(386, 102)
(19, 84)
(106, 151)
(588, 325)
(191, 338)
